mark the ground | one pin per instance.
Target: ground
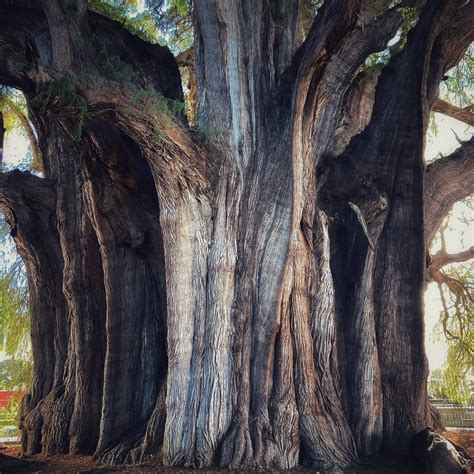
(10, 463)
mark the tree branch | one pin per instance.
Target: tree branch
(447, 181)
(457, 37)
(465, 114)
(357, 108)
(337, 14)
(143, 99)
(442, 258)
(23, 188)
(63, 20)
(28, 204)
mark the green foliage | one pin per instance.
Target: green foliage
(16, 374)
(14, 317)
(141, 24)
(174, 22)
(457, 327)
(16, 369)
(156, 106)
(12, 103)
(61, 96)
(9, 416)
(14, 314)
(458, 88)
(375, 59)
(451, 384)
(410, 18)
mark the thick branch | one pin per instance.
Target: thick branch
(142, 100)
(149, 120)
(357, 108)
(465, 114)
(21, 187)
(442, 258)
(63, 20)
(457, 37)
(336, 15)
(447, 181)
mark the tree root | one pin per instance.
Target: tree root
(437, 455)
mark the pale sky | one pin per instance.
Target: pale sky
(458, 238)
(445, 142)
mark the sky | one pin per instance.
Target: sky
(459, 237)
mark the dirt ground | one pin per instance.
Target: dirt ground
(11, 463)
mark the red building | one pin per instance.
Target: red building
(7, 395)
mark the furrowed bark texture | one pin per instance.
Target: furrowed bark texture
(246, 294)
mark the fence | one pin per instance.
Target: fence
(457, 417)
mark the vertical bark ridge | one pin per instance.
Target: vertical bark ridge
(400, 166)
(215, 408)
(185, 224)
(284, 413)
(32, 221)
(400, 272)
(57, 407)
(84, 290)
(132, 260)
(240, 52)
(247, 80)
(318, 104)
(356, 313)
(88, 331)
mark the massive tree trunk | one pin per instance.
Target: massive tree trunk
(246, 294)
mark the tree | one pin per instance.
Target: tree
(457, 325)
(245, 291)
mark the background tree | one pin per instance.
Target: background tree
(16, 363)
(259, 274)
